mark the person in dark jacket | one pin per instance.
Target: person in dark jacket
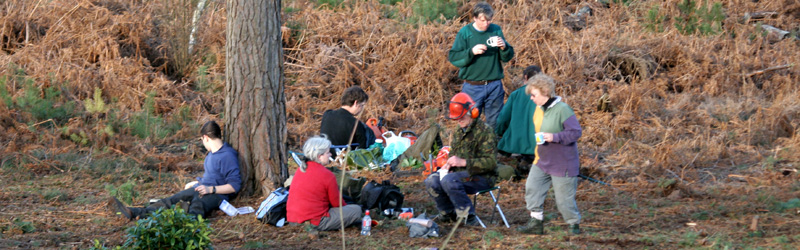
(221, 180)
(515, 124)
(556, 161)
(338, 124)
(470, 166)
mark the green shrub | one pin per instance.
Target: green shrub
(699, 20)
(19, 225)
(147, 123)
(101, 246)
(654, 22)
(433, 10)
(51, 106)
(96, 104)
(788, 205)
(170, 229)
(202, 79)
(124, 192)
(4, 95)
(330, 4)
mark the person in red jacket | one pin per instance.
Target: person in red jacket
(314, 194)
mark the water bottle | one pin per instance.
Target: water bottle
(366, 225)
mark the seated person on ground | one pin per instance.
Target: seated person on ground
(314, 195)
(471, 166)
(221, 180)
(338, 124)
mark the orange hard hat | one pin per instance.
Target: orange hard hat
(460, 105)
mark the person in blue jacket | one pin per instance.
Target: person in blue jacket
(221, 181)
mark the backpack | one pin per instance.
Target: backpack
(273, 209)
(382, 196)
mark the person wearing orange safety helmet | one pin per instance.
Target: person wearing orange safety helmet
(471, 166)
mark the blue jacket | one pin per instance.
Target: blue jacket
(222, 167)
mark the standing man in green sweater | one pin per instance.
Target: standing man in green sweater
(478, 51)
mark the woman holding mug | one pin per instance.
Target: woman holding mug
(556, 160)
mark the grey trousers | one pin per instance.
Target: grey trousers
(351, 213)
(538, 184)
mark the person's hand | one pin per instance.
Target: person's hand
(203, 190)
(548, 137)
(480, 49)
(501, 44)
(455, 161)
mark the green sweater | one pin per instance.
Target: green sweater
(483, 67)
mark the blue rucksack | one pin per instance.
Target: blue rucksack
(273, 209)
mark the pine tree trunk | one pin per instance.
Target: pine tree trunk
(255, 104)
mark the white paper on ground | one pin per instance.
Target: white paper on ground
(229, 209)
(245, 210)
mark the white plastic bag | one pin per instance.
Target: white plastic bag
(395, 146)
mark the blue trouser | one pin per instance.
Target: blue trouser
(451, 192)
(488, 99)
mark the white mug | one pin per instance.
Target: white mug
(539, 138)
(494, 41)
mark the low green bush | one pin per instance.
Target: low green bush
(170, 229)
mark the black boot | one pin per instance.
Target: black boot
(534, 226)
(575, 229)
(446, 217)
(129, 212)
(472, 220)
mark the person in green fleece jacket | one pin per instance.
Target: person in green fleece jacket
(515, 126)
(480, 61)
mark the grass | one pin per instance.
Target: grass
(55, 195)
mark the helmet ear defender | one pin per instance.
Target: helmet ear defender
(473, 112)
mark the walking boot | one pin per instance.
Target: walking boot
(446, 217)
(534, 226)
(129, 212)
(574, 229)
(472, 220)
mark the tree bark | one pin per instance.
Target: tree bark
(255, 104)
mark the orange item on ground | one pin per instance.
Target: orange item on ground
(372, 123)
(410, 135)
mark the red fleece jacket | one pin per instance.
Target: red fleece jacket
(312, 194)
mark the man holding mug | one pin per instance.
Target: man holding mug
(478, 51)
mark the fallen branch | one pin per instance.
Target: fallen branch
(127, 155)
(762, 71)
(756, 16)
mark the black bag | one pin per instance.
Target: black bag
(382, 196)
(273, 209)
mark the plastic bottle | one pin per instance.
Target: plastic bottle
(366, 225)
(378, 144)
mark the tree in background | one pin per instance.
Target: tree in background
(255, 103)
